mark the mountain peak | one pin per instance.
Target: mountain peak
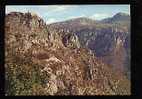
(120, 14)
(118, 17)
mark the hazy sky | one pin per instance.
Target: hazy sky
(56, 13)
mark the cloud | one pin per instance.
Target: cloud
(51, 20)
(59, 8)
(99, 16)
(48, 8)
(72, 17)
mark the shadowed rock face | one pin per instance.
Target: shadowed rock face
(71, 40)
(43, 60)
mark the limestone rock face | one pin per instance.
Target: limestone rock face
(42, 60)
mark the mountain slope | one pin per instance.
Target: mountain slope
(43, 61)
(119, 17)
(106, 38)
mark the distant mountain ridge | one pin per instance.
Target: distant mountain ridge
(119, 17)
(106, 38)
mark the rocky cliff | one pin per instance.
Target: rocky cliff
(42, 60)
(108, 39)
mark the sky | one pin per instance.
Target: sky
(58, 13)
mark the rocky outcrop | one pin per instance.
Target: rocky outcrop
(70, 40)
(42, 60)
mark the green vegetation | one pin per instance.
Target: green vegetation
(24, 77)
